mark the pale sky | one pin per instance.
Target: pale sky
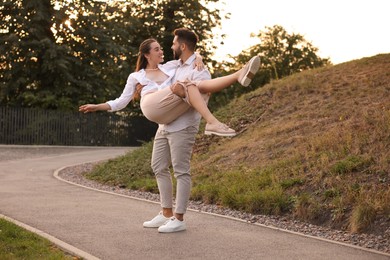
(342, 30)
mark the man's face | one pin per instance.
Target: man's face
(176, 48)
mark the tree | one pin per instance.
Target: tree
(99, 38)
(59, 54)
(30, 58)
(42, 64)
(281, 53)
(159, 18)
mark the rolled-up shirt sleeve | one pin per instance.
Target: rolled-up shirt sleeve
(126, 96)
(201, 75)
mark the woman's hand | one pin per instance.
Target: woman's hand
(198, 62)
(88, 108)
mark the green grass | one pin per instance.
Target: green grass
(313, 146)
(131, 170)
(350, 164)
(18, 243)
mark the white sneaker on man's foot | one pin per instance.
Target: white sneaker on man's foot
(173, 225)
(156, 222)
(249, 71)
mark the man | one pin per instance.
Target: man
(174, 142)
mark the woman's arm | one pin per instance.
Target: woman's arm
(116, 104)
(126, 96)
(94, 107)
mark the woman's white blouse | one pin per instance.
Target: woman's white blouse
(134, 78)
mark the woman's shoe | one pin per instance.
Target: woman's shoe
(219, 129)
(249, 71)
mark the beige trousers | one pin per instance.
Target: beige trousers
(162, 106)
(174, 149)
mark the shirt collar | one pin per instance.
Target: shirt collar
(189, 61)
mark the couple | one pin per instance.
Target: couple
(176, 107)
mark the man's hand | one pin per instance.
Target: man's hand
(138, 90)
(178, 89)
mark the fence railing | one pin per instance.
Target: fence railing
(31, 126)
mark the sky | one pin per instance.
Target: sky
(342, 30)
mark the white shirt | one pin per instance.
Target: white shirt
(186, 71)
(134, 78)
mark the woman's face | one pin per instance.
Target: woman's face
(156, 54)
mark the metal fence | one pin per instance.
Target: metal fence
(31, 126)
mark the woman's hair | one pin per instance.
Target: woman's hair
(187, 37)
(144, 48)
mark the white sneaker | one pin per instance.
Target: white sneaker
(173, 225)
(249, 71)
(157, 221)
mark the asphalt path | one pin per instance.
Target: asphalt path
(101, 225)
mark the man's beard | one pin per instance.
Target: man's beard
(176, 54)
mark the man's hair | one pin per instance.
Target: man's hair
(187, 37)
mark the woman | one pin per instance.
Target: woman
(163, 105)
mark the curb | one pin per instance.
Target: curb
(56, 175)
(61, 244)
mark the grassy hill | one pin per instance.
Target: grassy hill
(313, 146)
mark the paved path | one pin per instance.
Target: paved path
(107, 226)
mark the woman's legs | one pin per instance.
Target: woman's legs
(244, 76)
(190, 93)
(196, 100)
(218, 84)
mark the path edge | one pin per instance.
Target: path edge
(56, 175)
(58, 242)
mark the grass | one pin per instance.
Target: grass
(312, 146)
(362, 216)
(131, 171)
(262, 194)
(18, 243)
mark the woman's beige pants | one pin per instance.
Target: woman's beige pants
(163, 106)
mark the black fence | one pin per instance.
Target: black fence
(30, 126)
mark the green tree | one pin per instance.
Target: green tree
(32, 64)
(99, 36)
(281, 53)
(48, 63)
(159, 18)
(59, 54)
